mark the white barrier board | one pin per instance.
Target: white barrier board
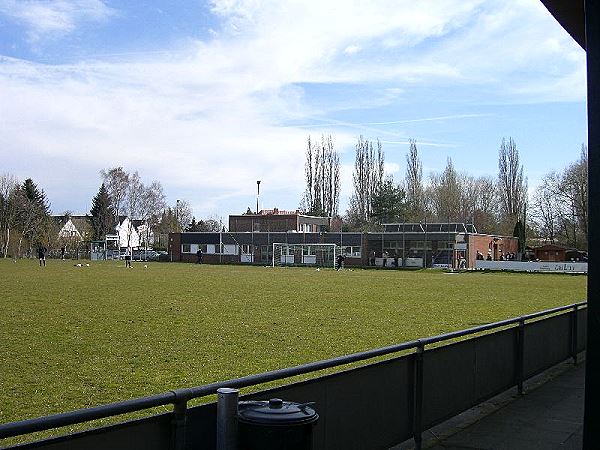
(414, 262)
(541, 266)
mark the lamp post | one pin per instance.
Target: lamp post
(257, 194)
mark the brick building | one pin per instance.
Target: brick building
(274, 220)
(399, 245)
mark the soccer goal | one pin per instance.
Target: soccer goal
(320, 255)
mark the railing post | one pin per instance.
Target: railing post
(227, 411)
(179, 424)
(520, 356)
(574, 335)
(418, 400)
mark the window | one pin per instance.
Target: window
(229, 249)
(418, 245)
(352, 251)
(392, 247)
(186, 248)
(247, 249)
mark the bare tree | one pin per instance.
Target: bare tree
(415, 192)
(573, 191)
(134, 200)
(546, 208)
(446, 194)
(152, 205)
(8, 213)
(568, 192)
(183, 215)
(512, 184)
(485, 213)
(367, 178)
(116, 181)
(322, 175)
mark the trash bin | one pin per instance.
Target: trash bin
(275, 425)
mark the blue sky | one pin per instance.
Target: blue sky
(208, 97)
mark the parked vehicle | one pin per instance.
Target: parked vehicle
(146, 255)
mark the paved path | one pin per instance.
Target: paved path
(548, 417)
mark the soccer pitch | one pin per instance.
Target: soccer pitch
(75, 337)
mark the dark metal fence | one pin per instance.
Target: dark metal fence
(374, 406)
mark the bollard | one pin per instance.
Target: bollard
(227, 412)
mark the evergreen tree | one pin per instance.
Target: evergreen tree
(102, 217)
(389, 203)
(193, 226)
(33, 215)
(519, 232)
(36, 196)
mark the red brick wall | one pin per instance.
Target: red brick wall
(485, 243)
(174, 248)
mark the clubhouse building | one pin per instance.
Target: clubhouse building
(251, 239)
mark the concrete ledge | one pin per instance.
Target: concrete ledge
(548, 415)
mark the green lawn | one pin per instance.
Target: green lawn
(77, 337)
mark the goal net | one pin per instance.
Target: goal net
(318, 255)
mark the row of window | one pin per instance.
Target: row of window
(211, 249)
(391, 247)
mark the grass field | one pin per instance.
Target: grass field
(77, 337)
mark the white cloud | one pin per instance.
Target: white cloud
(351, 49)
(208, 121)
(57, 17)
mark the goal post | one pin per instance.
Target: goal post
(318, 255)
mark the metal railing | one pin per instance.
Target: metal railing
(180, 397)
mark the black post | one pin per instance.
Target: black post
(574, 334)
(591, 430)
(257, 194)
(179, 425)
(520, 355)
(418, 401)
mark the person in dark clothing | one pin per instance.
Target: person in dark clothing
(42, 255)
(128, 254)
(62, 252)
(340, 261)
(199, 255)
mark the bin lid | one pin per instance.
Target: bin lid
(276, 412)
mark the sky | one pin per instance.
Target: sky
(209, 97)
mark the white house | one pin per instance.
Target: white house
(133, 233)
(127, 232)
(69, 230)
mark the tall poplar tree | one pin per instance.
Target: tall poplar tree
(415, 192)
(368, 177)
(322, 175)
(512, 185)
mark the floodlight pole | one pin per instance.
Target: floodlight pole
(257, 195)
